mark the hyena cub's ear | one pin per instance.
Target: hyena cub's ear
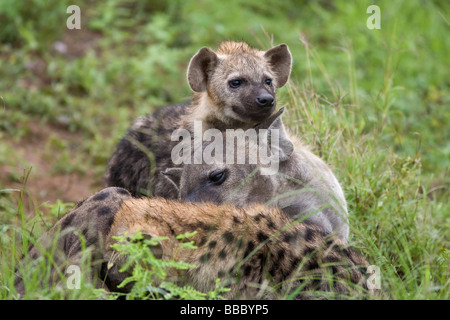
(284, 147)
(280, 61)
(199, 68)
(173, 175)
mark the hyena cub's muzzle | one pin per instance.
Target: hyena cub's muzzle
(257, 104)
(265, 100)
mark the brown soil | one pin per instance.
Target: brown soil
(43, 184)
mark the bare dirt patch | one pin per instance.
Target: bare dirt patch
(44, 183)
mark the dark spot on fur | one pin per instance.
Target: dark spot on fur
(212, 244)
(222, 254)
(289, 237)
(293, 267)
(263, 259)
(262, 236)
(312, 264)
(270, 223)
(221, 274)
(277, 263)
(333, 259)
(280, 255)
(108, 225)
(247, 270)
(258, 217)
(272, 271)
(102, 195)
(205, 257)
(173, 231)
(250, 248)
(228, 237)
(201, 226)
(67, 220)
(309, 251)
(330, 243)
(310, 234)
(202, 241)
(102, 211)
(334, 269)
(236, 220)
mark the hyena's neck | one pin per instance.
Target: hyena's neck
(204, 110)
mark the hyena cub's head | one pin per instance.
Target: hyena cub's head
(239, 82)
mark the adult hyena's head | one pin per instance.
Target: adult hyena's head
(238, 82)
(239, 168)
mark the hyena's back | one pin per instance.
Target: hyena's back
(144, 152)
(252, 249)
(247, 247)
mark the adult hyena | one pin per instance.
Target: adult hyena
(301, 184)
(234, 87)
(257, 251)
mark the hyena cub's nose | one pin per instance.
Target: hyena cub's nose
(265, 100)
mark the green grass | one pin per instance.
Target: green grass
(373, 103)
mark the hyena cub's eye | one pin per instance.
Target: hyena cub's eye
(235, 83)
(269, 82)
(217, 177)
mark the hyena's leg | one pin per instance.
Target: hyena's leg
(85, 226)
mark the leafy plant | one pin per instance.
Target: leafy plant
(148, 273)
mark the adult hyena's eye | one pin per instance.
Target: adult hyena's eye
(235, 83)
(269, 82)
(217, 177)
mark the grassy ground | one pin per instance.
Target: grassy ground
(373, 103)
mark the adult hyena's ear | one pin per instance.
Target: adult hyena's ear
(200, 66)
(280, 60)
(276, 130)
(173, 175)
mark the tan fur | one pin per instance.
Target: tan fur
(232, 47)
(285, 254)
(256, 251)
(233, 60)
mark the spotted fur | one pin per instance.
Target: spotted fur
(303, 186)
(87, 224)
(257, 251)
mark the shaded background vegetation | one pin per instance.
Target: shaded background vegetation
(372, 103)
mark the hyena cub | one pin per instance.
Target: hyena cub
(234, 87)
(257, 251)
(302, 185)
